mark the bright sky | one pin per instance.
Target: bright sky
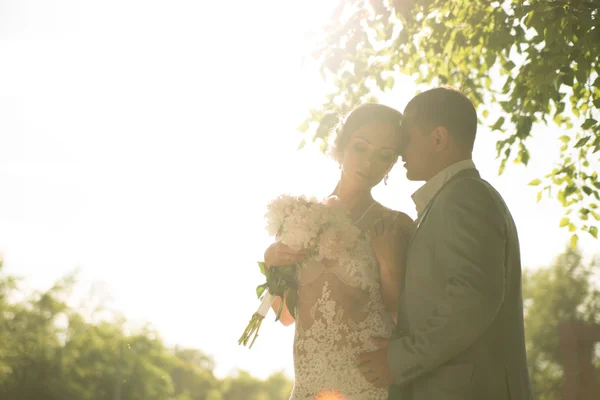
(140, 141)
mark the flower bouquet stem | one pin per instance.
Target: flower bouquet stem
(279, 281)
(256, 320)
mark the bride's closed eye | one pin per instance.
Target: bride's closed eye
(359, 147)
(386, 156)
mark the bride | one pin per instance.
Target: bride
(341, 306)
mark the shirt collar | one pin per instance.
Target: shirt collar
(425, 193)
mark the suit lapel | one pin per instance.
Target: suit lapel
(419, 221)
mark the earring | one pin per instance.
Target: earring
(385, 179)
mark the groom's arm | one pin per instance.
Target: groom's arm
(470, 248)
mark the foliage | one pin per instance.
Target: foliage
(531, 63)
(48, 351)
(561, 293)
(279, 281)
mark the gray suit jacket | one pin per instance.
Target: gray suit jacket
(460, 322)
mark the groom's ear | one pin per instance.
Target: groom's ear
(440, 137)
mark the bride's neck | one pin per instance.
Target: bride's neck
(352, 197)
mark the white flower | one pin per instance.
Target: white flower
(301, 226)
(301, 223)
(278, 210)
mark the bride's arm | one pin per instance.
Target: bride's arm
(277, 255)
(390, 241)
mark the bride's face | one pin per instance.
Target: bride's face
(370, 153)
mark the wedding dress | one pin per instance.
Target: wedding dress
(339, 308)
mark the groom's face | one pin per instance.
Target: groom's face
(418, 149)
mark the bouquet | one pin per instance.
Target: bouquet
(300, 223)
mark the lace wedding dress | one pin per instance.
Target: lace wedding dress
(339, 307)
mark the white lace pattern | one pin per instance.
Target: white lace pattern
(339, 308)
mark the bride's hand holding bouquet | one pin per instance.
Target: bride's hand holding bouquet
(279, 255)
(304, 229)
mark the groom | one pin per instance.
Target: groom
(461, 314)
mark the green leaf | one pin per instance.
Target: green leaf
(509, 66)
(584, 217)
(280, 279)
(561, 197)
(279, 310)
(535, 182)
(581, 75)
(581, 142)
(301, 144)
(588, 123)
(290, 302)
(502, 165)
(327, 123)
(564, 222)
(260, 289)
(570, 189)
(565, 138)
(524, 156)
(323, 147)
(568, 78)
(574, 240)
(498, 124)
(304, 126)
(587, 190)
(594, 232)
(490, 59)
(263, 268)
(572, 227)
(389, 82)
(543, 7)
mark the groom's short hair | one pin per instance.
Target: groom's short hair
(447, 107)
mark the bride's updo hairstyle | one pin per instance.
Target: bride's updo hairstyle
(359, 116)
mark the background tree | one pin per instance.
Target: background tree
(192, 375)
(49, 351)
(563, 292)
(524, 64)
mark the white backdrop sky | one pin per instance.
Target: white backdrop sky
(141, 140)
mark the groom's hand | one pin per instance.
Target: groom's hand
(373, 365)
